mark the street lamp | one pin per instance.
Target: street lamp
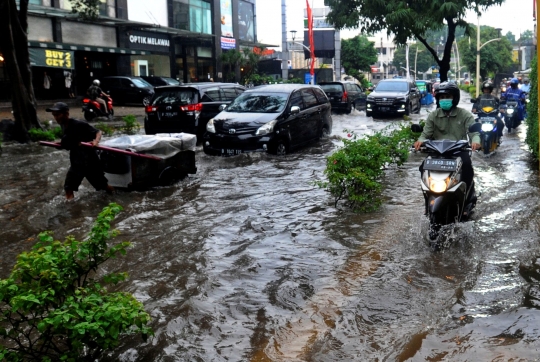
(478, 47)
(415, 60)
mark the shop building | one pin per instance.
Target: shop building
(182, 39)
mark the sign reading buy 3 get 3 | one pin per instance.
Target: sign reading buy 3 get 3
(52, 58)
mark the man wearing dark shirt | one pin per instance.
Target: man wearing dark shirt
(84, 160)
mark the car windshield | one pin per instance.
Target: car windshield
(141, 83)
(174, 97)
(332, 87)
(171, 81)
(259, 102)
(391, 87)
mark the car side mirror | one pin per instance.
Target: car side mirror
(295, 110)
(222, 107)
(473, 100)
(416, 128)
(475, 127)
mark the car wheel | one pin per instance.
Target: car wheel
(408, 109)
(146, 101)
(325, 133)
(419, 107)
(349, 109)
(280, 148)
(89, 116)
(369, 114)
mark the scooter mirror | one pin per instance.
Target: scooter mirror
(476, 127)
(416, 128)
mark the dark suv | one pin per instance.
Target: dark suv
(188, 107)
(344, 96)
(397, 96)
(160, 81)
(127, 89)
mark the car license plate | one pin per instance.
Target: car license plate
(383, 109)
(230, 152)
(170, 114)
(438, 164)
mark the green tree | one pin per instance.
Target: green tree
(526, 35)
(511, 37)
(532, 113)
(495, 57)
(357, 54)
(14, 49)
(408, 19)
(232, 58)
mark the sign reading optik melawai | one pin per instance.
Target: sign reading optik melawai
(147, 40)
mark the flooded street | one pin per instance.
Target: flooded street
(248, 260)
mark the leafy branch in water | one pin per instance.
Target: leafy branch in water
(53, 308)
(354, 172)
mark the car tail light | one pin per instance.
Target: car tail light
(150, 109)
(197, 107)
(344, 97)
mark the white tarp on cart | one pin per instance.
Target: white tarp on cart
(163, 145)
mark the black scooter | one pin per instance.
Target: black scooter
(446, 197)
(510, 109)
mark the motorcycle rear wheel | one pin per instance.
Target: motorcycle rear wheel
(89, 116)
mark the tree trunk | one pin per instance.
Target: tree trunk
(14, 47)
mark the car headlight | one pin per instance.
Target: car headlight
(487, 127)
(210, 126)
(437, 185)
(266, 128)
(509, 111)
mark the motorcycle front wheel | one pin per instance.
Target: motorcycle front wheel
(486, 144)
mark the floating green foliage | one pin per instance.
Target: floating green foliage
(131, 126)
(106, 129)
(37, 134)
(53, 306)
(355, 171)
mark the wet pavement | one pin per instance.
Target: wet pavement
(249, 261)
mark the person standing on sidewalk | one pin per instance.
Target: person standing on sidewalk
(84, 160)
(46, 85)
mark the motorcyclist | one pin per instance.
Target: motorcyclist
(450, 122)
(526, 87)
(515, 93)
(96, 94)
(487, 89)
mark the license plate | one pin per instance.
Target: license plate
(337, 98)
(384, 109)
(437, 164)
(487, 119)
(230, 152)
(170, 114)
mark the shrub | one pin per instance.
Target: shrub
(532, 112)
(106, 129)
(37, 134)
(354, 172)
(131, 126)
(54, 308)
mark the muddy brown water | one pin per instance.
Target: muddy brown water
(249, 261)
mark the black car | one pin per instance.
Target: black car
(188, 107)
(344, 96)
(275, 118)
(127, 89)
(160, 81)
(394, 96)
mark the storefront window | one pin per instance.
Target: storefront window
(157, 65)
(104, 6)
(205, 68)
(192, 15)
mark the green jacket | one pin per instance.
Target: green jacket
(454, 127)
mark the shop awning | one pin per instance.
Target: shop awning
(86, 48)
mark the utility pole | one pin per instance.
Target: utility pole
(284, 48)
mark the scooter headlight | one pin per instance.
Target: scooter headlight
(510, 111)
(437, 185)
(487, 127)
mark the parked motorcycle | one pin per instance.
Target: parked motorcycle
(510, 110)
(92, 108)
(486, 125)
(445, 195)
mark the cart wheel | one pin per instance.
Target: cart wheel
(168, 176)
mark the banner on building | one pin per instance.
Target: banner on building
(228, 43)
(60, 59)
(226, 18)
(245, 21)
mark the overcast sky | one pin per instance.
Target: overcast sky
(513, 15)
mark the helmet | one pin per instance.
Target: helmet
(96, 82)
(488, 85)
(514, 81)
(448, 88)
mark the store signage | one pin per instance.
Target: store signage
(148, 41)
(61, 59)
(228, 43)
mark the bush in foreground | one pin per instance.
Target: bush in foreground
(52, 306)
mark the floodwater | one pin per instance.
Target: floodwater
(249, 261)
